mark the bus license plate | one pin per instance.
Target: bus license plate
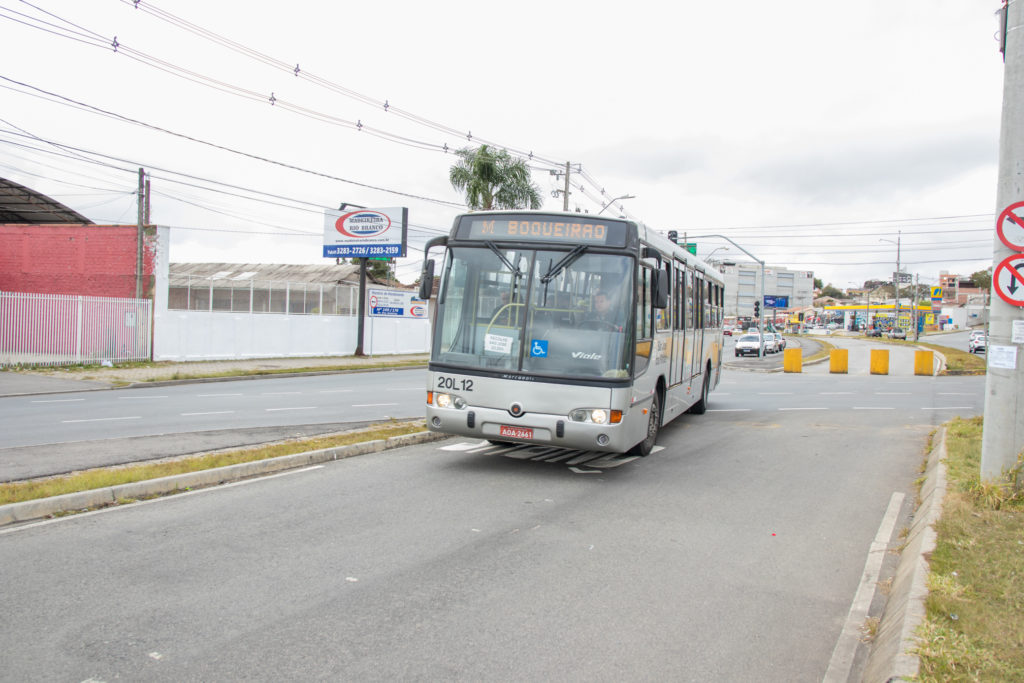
(517, 432)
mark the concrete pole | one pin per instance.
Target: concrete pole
(1003, 437)
(565, 192)
(139, 270)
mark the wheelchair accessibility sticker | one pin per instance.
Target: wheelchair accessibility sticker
(539, 348)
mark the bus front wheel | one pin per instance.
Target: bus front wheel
(653, 424)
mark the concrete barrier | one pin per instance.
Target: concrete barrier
(839, 361)
(924, 363)
(879, 361)
(793, 360)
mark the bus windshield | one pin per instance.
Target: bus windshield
(546, 312)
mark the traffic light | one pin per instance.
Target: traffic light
(757, 309)
(673, 235)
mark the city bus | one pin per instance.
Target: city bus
(568, 330)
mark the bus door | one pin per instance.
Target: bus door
(678, 292)
(697, 302)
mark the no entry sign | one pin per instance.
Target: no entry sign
(1010, 226)
(1008, 280)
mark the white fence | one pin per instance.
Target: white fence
(57, 329)
(206, 335)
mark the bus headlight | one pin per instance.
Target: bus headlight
(449, 401)
(599, 416)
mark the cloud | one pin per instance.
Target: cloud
(877, 166)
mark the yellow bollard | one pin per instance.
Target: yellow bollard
(839, 361)
(793, 360)
(879, 361)
(924, 363)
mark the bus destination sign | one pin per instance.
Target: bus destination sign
(545, 229)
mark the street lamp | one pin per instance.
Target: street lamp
(708, 257)
(625, 196)
(896, 275)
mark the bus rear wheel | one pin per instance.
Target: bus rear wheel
(701, 406)
(653, 425)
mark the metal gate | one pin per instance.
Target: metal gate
(59, 329)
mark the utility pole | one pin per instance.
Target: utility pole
(565, 193)
(1003, 437)
(140, 222)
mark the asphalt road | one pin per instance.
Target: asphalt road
(57, 433)
(732, 554)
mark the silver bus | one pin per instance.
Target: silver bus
(568, 330)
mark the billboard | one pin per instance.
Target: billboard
(365, 233)
(392, 303)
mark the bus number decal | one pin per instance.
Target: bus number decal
(454, 384)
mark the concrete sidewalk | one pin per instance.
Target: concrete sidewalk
(56, 380)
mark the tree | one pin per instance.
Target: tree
(818, 283)
(982, 279)
(829, 290)
(493, 180)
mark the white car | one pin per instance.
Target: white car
(749, 345)
(771, 345)
(977, 342)
(780, 342)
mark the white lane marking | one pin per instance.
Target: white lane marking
(372, 405)
(58, 400)
(463, 446)
(212, 412)
(104, 419)
(803, 408)
(949, 408)
(835, 393)
(871, 408)
(729, 410)
(842, 656)
(272, 410)
(775, 393)
(892, 393)
(208, 395)
(135, 398)
(152, 501)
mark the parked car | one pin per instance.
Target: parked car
(874, 332)
(977, 342)
(897, 333)
(749, 345)
(770, 345)
(780, 341)
(727, 330)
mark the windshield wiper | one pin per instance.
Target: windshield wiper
(566, 261)
(508, 264)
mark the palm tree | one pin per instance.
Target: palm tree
(493, 180)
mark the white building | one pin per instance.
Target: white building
(743, 286)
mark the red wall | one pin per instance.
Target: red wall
(87, 260)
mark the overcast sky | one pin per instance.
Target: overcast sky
(812, 133)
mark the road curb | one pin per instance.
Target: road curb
(892, 655)
(83, 500)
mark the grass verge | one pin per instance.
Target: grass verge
(974, 626)
(87, 480)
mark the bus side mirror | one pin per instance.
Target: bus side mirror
(427, 279)
(660, 289)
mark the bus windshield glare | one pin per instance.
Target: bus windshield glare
(546, 312)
